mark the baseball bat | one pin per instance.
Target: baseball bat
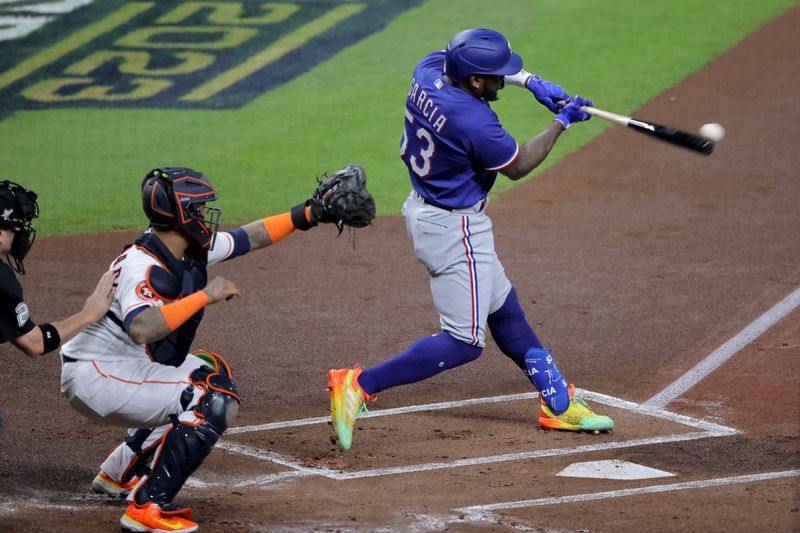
(662, 133)
(674, 136)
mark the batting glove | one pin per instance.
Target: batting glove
(572, 112)
(549, 94)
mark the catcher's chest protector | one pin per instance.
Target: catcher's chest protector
(180, 278)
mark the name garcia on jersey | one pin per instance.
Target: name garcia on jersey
(423, 102)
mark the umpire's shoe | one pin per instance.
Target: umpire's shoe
(578, 417)
(347, 402)
(150, 518)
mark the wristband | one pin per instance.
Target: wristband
(176, 313)
(50, 336)
(301, 217)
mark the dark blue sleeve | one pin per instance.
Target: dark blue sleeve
(241, 243)
(126, 325)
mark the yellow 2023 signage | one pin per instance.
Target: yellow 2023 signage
(177, 54)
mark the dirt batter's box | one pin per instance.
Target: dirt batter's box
(479, 423)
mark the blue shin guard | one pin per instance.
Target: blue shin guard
(547, 379)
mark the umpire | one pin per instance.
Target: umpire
(18, 208)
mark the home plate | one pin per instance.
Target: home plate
(612, 469)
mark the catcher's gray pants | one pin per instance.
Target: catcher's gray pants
(135, 393)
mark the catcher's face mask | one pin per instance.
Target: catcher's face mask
(18, 208)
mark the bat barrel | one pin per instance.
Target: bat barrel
(673, 136)
(662, 133)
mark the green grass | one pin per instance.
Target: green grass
(86, 165)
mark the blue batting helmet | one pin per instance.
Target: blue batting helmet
(480, 51)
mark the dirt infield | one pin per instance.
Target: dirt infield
(634, 260)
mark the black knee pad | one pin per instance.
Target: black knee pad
(220, 404)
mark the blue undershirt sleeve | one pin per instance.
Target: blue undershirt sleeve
(241, 243)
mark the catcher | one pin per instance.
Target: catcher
(134, 368)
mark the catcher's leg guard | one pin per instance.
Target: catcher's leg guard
(544, 373)
(187, 444)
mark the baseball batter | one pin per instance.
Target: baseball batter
(454, 145)
(18, 208)
(134, 368)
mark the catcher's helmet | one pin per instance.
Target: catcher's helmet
(480, 51)
(18, 208)
(175, 197)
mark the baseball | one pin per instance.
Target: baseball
(713, 131)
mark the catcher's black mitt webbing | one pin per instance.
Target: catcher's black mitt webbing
(342, 199)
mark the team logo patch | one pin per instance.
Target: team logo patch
(170, 54)
(143, 292)
(22, 314)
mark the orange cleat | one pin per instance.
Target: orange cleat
(150, 518)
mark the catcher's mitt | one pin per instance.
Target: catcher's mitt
(342, 199)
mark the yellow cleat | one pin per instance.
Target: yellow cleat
(578, 417)
(103, 484)
(347, 402)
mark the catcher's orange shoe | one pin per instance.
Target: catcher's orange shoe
(103, 484)
(347, 402)
(153, 519)
(578, 417)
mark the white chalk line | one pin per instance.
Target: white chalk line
(710, 430)
(481, 512)
(473, 461)
(586, 394)
(383, 412)
(263, 455)
(268, 479)
(716, 358)
(11, 507)
(521, 456)
(14, 505)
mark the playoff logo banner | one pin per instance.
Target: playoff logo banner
(170, 54)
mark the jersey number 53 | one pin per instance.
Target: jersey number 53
(422, 147)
